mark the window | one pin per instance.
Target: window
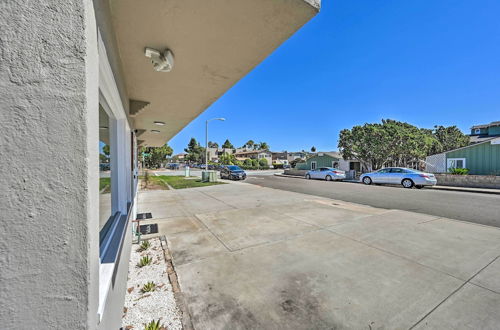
(313, 165)
(384, 170)
(455, 163)
(105, 209)
(477, 131)
(335, 164)
(397, 170)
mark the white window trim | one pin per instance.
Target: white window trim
(315, 165)
(110, 100)
(455, 159)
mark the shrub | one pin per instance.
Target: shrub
(263, 163)
(153, 325)
(255, 163)
(459, 171)
(277, 165)
(144, 261)
(144, 245)
(148, 287)
(247, 162)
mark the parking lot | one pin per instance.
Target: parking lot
(250, 257)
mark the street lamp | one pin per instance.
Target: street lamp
(206, 140)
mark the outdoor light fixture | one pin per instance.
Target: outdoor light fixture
(155, 131)
(159, 123)
(162, 61)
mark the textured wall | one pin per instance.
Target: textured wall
(471, 181)
(48, 143)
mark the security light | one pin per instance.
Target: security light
(162, 61)
(159, 123)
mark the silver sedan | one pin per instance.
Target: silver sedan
(406, 177)
(326, 173)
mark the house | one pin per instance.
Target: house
(255, 154)
(479, 133)
(481, 158)
(331, 159)
(296, 155)
(280, 158)
(77, 76)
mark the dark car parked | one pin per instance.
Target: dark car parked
(232, 172)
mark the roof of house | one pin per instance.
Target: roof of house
(483, 140)
(251, 152)
(493, 123)
(334, 154)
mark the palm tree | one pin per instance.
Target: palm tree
(263, 146)
(250, 144)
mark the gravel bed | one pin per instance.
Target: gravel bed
(142, 308)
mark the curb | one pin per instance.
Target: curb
(447, 188)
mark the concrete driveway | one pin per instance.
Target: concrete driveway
(249, 257)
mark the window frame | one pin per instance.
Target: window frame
(123, 183)
(448, 167)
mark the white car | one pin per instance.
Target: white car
(326, 173)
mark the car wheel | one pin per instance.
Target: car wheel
(407, 183)
(308, 176)
(419, 186)
(328, 178)
(367, 180)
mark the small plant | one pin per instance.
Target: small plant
(144, 261)
(459, 171)
(148, 287)
(145, 245)
(153, 325)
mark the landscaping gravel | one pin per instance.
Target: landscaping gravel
(142, 308)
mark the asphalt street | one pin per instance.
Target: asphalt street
(471, 207)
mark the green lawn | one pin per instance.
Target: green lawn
(180, 182)
(105, 183)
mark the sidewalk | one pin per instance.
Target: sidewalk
(438, 187)
(249, 257)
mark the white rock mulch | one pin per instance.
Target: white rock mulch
(142, 308)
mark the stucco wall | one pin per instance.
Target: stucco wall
(48, 201)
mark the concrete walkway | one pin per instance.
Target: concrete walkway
(249, 257)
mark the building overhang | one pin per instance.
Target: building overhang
(215, 43)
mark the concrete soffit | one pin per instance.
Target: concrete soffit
(214, 43)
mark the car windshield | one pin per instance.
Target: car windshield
(234, 168)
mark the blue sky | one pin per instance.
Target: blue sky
(427, 62)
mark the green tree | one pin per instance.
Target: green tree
(227, 159)
(247, 162)
(313, 149)
(227, 145)
(391, 142)
(262, 146)
(154, 157)
(294, 162)
(195, 152)
(250, 144)
(448, 138)
(213, 144)
(263, 163)
(255, 162)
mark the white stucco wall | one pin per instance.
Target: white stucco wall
(48, 201)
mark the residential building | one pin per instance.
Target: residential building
(280, 158)
(481, 158)
(296, 155)
(79, 76)
(255, 154)
(479, 133)
(331, 159)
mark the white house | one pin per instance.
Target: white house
(78, 76)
